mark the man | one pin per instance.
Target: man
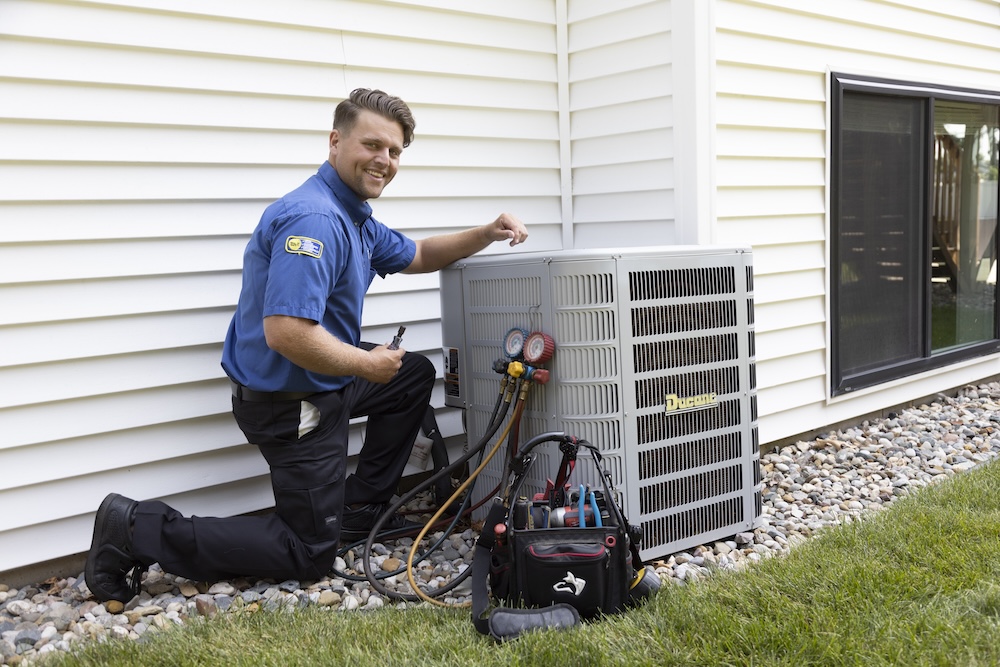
(300, 372)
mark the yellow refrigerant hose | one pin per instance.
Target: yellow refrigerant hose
(516, 415)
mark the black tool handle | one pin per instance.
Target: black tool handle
(397, 339)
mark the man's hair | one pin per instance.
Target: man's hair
(379, 102)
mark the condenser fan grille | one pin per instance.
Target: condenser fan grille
(655, 320)
(659, 355)
(690, 489)
(704, 520)
(676, 283)
(683, 456)
(587, 326)
(508, 291)
(583, 289)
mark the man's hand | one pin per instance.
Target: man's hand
(507, 227)
(383, 364)
(436, 252)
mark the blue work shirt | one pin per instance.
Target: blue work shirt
(313, 255)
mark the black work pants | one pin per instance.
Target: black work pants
(305, 445)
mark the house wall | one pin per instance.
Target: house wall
(620, 102)
(140, 140)
(771, 106)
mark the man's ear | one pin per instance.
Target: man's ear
(334, 142)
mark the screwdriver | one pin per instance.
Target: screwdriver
(397, 339)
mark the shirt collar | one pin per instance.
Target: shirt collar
(358, 210)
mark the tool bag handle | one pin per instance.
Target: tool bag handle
(503, 622)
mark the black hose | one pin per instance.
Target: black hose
(497, 417)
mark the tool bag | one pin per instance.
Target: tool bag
(565, 554)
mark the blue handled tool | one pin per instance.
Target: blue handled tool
(597, 511)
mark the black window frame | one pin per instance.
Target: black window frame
(841, 82)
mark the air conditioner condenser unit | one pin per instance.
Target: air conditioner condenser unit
(653, 364)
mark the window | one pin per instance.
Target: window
(914, 228)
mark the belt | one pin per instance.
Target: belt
(246, 394)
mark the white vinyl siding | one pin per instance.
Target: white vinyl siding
(621, 129)
(773, 58)
(139, 143)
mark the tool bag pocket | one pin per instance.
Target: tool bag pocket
(566, 565)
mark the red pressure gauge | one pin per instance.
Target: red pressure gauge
(538, 348)
(513, 342)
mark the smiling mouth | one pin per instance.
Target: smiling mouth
(375, 174)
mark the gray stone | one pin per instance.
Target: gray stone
(222, 588)
(26, 639)
(250, 596)
(61, 616)
(289, 586)
(18, 607)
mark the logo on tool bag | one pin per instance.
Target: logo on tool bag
(570, 584)
(303, 245)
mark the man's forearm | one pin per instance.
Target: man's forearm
(437, 252)
(308, 345)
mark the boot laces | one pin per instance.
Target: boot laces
(133, 578)
(127, 566)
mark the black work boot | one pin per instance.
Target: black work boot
(112, 571)
(358, 523)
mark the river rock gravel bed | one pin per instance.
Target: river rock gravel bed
(808, 486)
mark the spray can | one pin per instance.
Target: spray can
(569, 517)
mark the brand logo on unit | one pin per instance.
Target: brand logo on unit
(570, 584)
(674, 403)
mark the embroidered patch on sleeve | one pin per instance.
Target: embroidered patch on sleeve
(303, 245)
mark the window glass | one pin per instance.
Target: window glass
(879, 229)
(963, 283)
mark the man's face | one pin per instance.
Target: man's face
(367, 157)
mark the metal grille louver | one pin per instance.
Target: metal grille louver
(660, 426)
(660, 461)
(692, 488)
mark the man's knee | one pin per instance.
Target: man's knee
(421, 370)
(319, 561)
(427, 368)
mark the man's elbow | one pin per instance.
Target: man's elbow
(272, 335)
(281, 333)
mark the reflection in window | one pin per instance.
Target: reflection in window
(963, 282)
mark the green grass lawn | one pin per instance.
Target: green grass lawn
(916, 584)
